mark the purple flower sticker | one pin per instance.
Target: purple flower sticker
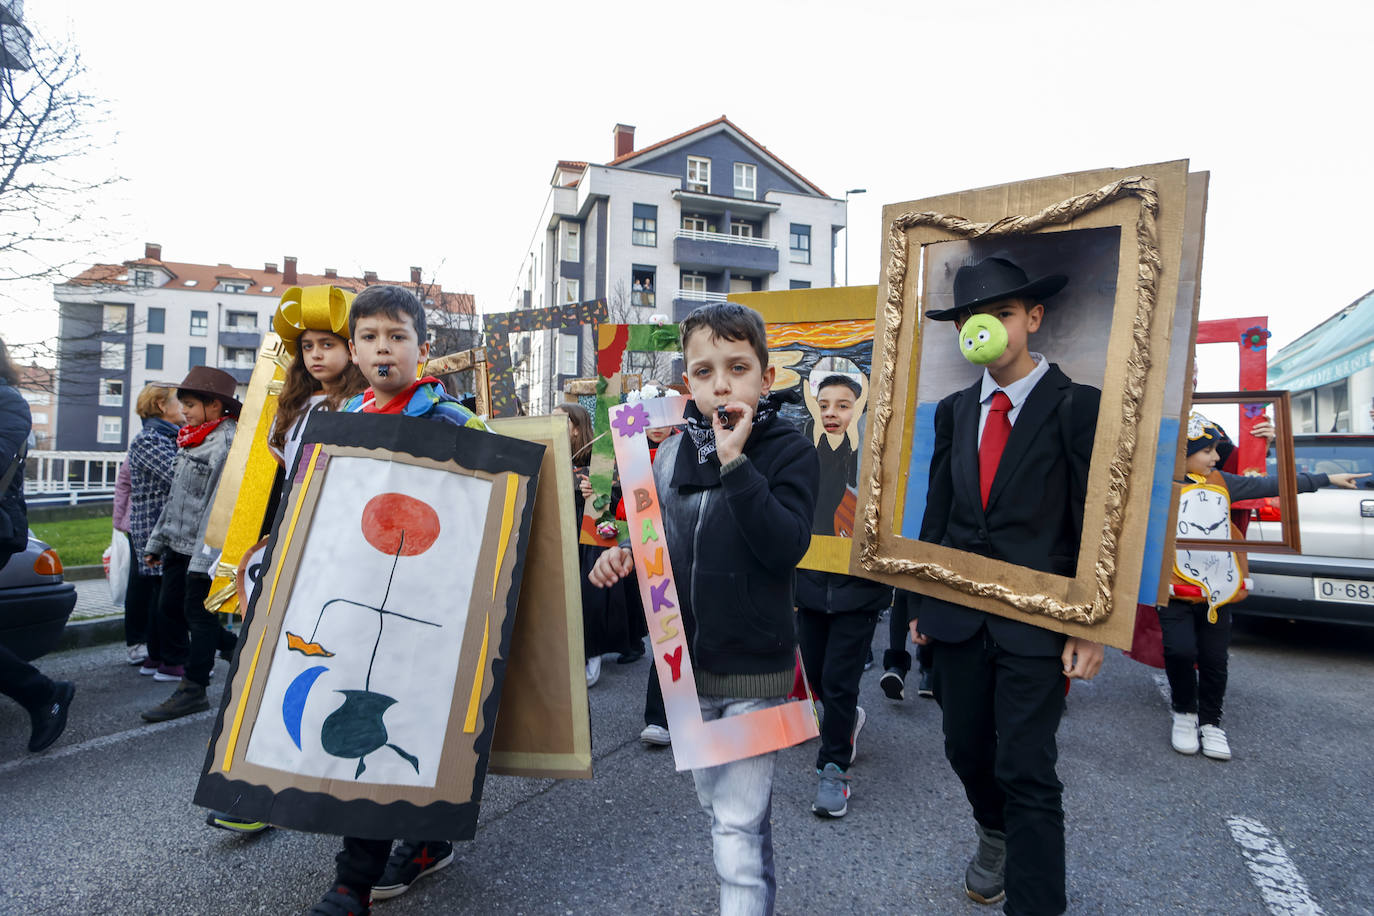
(1252, 410)
(1256, 338)
(632, 420)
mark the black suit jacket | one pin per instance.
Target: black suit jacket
(1034, 514)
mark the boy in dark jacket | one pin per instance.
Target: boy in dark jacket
(738, 494)
(388, 342)
(1008, 479)
(836, 614)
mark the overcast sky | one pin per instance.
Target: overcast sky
(380, 136)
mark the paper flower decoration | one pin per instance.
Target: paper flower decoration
(632, 420)
(1256, 338)
(606, 530)
(650, 390)
(1252, 410)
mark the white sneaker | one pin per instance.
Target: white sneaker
(860, 717)
(1184, 735)
(1214, 743)
(137, 653)
(593, 670)
(656, 735)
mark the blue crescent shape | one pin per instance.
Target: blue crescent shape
(293, 701)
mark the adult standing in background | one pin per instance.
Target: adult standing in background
(46, 700)
(151, 454)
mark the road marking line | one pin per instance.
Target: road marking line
(1284, 891)
(1162, 682)
(102, 741)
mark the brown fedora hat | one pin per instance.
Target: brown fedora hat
(211, 384)
(993, 279)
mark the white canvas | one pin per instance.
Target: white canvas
(415, 662)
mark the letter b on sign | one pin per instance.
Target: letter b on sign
(642, 499)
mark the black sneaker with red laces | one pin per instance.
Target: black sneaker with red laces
(341, 901)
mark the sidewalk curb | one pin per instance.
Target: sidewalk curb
(83, 634)
(82, 573)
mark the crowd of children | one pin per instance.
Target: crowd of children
(742, 492)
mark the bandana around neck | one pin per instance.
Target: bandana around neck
(704, 434)
(191, 436)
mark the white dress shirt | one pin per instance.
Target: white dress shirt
(1017, 392)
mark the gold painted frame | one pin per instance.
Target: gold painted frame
(1148, 204)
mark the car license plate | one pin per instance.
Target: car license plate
(1346, 590)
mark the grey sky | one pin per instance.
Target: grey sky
(380, 136)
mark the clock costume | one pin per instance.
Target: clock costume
(1196, 623)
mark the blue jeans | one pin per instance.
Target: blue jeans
(739, 799)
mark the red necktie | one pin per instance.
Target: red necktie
(995, 433)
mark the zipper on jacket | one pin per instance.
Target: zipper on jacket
(696, 552)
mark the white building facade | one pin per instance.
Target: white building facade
(125, 326)
(661, 230)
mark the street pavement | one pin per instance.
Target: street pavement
(103, 821)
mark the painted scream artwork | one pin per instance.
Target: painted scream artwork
(367, 663)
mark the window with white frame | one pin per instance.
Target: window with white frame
(572, 242)
(746, 178)
(240, 321)
(696, 223)
(111, 354)
(111, 392)
(645, 229)
(200, 323)
(114, 318)
(799, 241)
(567, 354)
(741, 229)
(699, 174)
(39, 417)
(694, 283)
(572, 290)
(232, 286)
(109, 430)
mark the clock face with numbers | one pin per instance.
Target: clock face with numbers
(1204, 511)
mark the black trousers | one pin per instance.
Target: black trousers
(174, 643)
(833, 648)
(896, 655)
(654, 713)
(22, 682)
(1001, 712)
(208, 635)
(140, 609)
(1190, 640)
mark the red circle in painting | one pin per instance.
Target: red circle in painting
(395, 522)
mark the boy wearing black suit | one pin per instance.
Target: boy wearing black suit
(1008, 479)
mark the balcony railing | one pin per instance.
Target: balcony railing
(699, 236)
(696, 295)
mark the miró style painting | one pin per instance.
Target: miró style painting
(364, 685)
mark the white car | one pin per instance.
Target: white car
(1333, 579)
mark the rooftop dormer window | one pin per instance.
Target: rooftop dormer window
(232, 286)
(141, 278)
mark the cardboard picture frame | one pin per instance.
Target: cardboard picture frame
(250, 768)
(1147, 205)
(805, 326)
(499, 326)
(1290, 540)
(543, 729)
(696, 742)
(474, 359)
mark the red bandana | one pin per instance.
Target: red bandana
(191, 436)
(399, 402)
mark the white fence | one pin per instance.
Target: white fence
(72, 477)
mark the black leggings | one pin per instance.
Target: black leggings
(1189, 640)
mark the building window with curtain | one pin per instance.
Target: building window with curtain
(645, 229)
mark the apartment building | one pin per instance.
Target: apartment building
(123, 326)
(662, 229)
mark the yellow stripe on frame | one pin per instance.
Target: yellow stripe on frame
(233, 741)
(507, 529)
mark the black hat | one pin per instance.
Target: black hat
(993, 279)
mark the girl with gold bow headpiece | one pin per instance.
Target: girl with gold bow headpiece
(312, 323)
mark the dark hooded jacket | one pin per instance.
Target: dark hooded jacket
(15, 424)
(734, 540)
